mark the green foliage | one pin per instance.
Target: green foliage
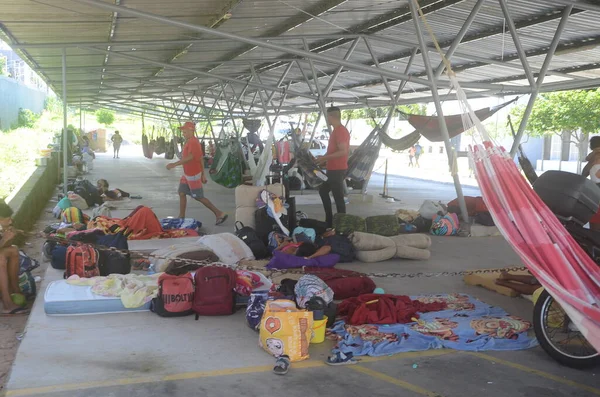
(27, 118)
(18, 151)
(54, 105)
(104, 116)
(3, 70)
(415, 108)
(562, 111)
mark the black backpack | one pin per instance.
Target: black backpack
(84, 195)
(249, 236)
(319, 226)
(265, 224)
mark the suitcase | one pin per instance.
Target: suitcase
(568, 195)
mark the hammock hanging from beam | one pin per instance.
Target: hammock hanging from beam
(550, 253)
(362, 160)
(429, 127)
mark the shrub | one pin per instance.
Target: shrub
(105, 117)
(27, 118)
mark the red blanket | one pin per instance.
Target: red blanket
(141, 224)
(384, 309)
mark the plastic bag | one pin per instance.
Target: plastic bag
(284, 329)
(430, 209)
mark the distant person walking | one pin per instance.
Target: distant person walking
(411, 155)
(336, 159)
(190, 184)
(418, 152)
(116, 140)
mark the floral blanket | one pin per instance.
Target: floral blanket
(466, 324)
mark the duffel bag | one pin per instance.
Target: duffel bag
(344, 283)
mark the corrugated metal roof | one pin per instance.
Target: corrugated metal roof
(134, 60)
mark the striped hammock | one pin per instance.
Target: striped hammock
(534, 232)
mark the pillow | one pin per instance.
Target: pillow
(346, 224)
(282, 260)
(383, 225)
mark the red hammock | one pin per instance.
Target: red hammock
(429, 126)
(544, 245)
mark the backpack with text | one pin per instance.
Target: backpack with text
(82, 260)
(215, 294)
(175, 296)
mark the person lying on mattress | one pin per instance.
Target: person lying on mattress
(9, 263)
(111, 195)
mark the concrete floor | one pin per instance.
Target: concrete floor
(141, 354)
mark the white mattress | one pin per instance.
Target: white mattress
(65, 299)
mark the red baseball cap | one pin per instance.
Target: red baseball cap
(188, 125)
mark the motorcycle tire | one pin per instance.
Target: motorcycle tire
(541, 306)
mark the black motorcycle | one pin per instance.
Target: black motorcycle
(574, 200)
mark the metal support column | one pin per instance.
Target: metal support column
(520, 50)
(315, 78)
(438, 107)
(459, 36)
(540, 79)
(335, 75)
(65, 140)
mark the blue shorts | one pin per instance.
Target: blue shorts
(196, 193)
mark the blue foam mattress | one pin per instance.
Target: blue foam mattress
(65, 299)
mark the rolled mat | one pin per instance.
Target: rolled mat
(422, 241)
(370, 242)
(379, 255)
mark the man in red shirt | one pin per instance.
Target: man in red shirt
(336, 159)
(193, 176)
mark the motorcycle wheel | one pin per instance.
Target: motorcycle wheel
(559, 337)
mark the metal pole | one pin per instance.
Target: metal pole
(513, 32)
(376, 62)
(438, 107)
(335, 75)
(318, 88)
(80, 117)
(193, 71)
(65, 122)
(459, 36)
(255, 42)
(540, 80)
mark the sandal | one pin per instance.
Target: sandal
(341, 359)
(19, 311)
(221, 220)
(282, 365)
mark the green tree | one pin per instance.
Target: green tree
(3, 71)
(105, 117)
(574, 112)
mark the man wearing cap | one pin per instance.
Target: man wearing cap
(193, 177)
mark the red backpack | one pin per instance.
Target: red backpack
(215, 294)
(175, 295)
(82, 260)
